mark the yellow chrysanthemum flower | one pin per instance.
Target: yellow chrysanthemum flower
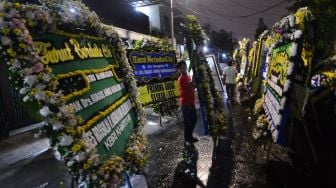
(75, 148)
(88, 164)
(17, 32)
(22, 45)
(17, 5)
(11, 52)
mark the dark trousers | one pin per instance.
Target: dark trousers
(189, 120)
(230, 88)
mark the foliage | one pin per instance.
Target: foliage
(222, 40)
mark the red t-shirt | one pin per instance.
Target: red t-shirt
(187, 94)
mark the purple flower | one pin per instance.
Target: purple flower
(38, 67)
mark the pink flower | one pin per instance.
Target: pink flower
(17, 23)
(29, 39)
(38, 67)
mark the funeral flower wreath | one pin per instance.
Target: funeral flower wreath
(35, 82)
(291, 29)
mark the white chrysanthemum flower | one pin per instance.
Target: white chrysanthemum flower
(45, 111)
(26, 98)
(80, 156)
(57, 126)
(6, 41)
(94, 177)
(30, 15)
(54, 98)
(15, 63)
(28, 71)
(291, 20)
(297, 34)
(66, 140)
(95, 159)
(258, 134)
(64, 110)
(72, 121)
(57, 155)
(70, 163)
(109, 32)
(30, 80)
(40, 86)
(13, 13)
(24, 90)
(40, 96)
(46, 77)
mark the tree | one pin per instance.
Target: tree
(222, 40)
(261, 28)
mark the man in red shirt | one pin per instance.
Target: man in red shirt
(187, 102)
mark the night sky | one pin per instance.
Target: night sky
(239, 16)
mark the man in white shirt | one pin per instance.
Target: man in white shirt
(229, 79)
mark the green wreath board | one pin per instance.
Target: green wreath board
(63, 58)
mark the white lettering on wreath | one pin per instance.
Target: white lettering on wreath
(103, 128)
(96, 97)
(117, 132)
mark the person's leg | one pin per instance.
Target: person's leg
(190, 119)
(186, 122)
(193, 116)
(228, 91)
(232, 92)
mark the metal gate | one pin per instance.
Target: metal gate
(13, 113)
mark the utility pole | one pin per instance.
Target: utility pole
(172, 24)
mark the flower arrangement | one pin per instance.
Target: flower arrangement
(291, 31)
(258, 105)
(170, 106)
(152, 45)
(36, 83)
(260, 131)
(204, 80)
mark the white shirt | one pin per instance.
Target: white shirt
(230, 73)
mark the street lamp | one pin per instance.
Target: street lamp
(205, 49)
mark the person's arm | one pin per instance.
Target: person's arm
(224, 77)
(193, 82)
